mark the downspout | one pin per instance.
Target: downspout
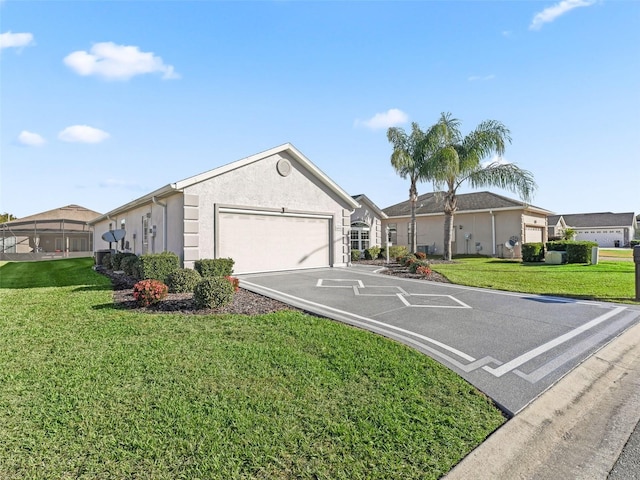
(493, 233)
(164, 222)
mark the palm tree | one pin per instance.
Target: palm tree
(459, 159)
(409, 159)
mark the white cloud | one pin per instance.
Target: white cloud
(83, 134)
(15, 40)
(390, 118)
(549, 14)
(476, 78)
(496, 159)
(30, 139)
(117, 62)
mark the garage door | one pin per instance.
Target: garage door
(533, 235)
(265, 241)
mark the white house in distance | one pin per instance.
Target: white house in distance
(271, 211)
(485, 223)
(606, 229)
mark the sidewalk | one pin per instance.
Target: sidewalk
(575, 430)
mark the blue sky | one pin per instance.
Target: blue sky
(102, 102)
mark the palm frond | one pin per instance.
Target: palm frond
(507, 177)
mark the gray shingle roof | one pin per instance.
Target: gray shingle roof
(604, 219)
(432, 202)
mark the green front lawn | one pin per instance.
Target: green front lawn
(607, 281)
(90, 391)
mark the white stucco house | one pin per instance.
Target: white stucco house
(484, 223)
(607, 229)
(271, 211)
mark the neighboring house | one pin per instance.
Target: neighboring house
(556, 226)
(59, 232)
(271, 211)
(485, 223)
(366, 224)
(606, 229)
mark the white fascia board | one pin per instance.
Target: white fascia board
(364, 199)
(481, 210)
(159, 193)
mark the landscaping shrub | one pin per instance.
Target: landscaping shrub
(213, 292)
(148, 292)
(413, 266)
(183, 280)
(130, 265)
(407, 260)
(106, 261)
(421, 255)
(158, 266)
(633, 243)
(371, 253)
(396, 251)
(580, 252)
(355, 255)
(116, 259)
(235, 282)
(577, 252)
(533, 252)
(214, 267)
(423, 270)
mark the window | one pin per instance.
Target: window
(393, 233)
(359, 236)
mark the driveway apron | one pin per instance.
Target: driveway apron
(511, 346)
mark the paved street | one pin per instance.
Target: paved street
(511, 346)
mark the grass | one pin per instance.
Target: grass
(615, 253)
(607, 281)
(91, 391)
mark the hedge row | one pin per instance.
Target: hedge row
(577, 252)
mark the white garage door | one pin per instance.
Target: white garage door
(263, 242)
(533, 235)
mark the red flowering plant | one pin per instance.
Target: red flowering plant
(148, 292)
(234, 281)
(423, 270)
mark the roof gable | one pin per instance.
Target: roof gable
(68, 212)
(202, 177)
(363, 199)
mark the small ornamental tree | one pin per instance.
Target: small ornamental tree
(148, 292)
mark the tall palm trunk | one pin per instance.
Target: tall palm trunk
(413, 237)
(450, 206)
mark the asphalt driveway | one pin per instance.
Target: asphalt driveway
(511, 346)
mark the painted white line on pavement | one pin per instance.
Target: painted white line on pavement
(368, 320)
(524, 358)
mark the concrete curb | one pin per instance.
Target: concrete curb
(576, 429)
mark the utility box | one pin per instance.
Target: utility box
(555, 258)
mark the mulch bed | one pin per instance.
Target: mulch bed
(244, 302)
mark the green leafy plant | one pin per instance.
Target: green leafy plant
(213, 292)
(533, 252)
(371, 253)
(158, 266)
(130, 265)
(355, 255)
(214, 267)
(415, 264)
(183, 280)
(106, 261)
(148, 292)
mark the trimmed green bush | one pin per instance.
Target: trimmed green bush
(183, 280)
(213, 292)
(577, 252)
(130, 265)
(158, 266)
(533, 252)
(214, 267)
(580, 252)
(396, 251)
(371, 253)
(355, 255)
(116, 259)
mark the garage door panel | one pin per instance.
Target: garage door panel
(259, 242)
